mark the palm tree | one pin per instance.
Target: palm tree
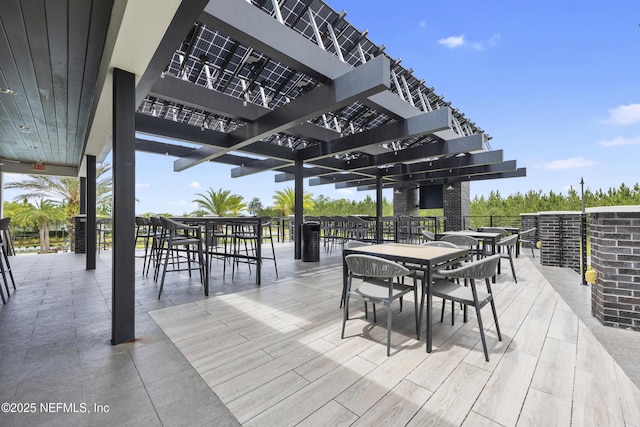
(42, 214)
(65, 190)
(285, 200)
(220, 203)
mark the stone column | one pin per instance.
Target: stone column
(615, 256)
(405, 201)
(457, 205)
(560, 236)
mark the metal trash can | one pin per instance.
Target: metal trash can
(311, 242)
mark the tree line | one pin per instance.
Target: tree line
(537, 201)
(45, 200)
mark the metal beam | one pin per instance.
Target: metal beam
(370, 184)
(361, 82)
(182, 22)
(458, 162)
(455, 146)
(199, 97)
(423, 124)
(258, 166)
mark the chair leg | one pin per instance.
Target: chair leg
(389, 317)
(415, 306)
(482, 337)
(513, 269)
(4, 301)
(345, 313)
(453, 312)
(6, 258)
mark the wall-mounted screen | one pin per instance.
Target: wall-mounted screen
(431, 197)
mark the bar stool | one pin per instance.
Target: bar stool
(248, 236)
(144, 231)
(181, 240)
(5, 266)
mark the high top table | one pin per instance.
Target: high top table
(210, 222)
(424, 258)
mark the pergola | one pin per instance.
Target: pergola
(264, 85)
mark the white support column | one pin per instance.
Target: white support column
(335, 42)
(316, 31)
(406, 87)
(363, 57)
(263, 95)
(426, 106)
(276, 11)
(244, 90)
(211, 77)
(397, 85)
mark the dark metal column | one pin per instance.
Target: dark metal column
(90, 225)
(298, 209)
(379, 236)
(123, 255)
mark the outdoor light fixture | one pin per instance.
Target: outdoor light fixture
(24, 128)
(7, 91)
(450, 188)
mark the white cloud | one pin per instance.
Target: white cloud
(458, 41)
(570, 163)
(620, 140)
(453, 41)
(624, 115)
(195, 184)
(345, 192)
(422, 24)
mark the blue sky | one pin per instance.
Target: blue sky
(554, 83)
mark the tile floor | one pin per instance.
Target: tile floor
(273, 355)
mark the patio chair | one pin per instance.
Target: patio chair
(509, 243)
(464, 242)
(5, 266)
(428, 236)
(181, 241)
(378, 286)
(348, 245)
(528, 237)
(439, 275)
(473, 271)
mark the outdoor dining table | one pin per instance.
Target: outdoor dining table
(209, 224)
(424, 258)
(490, 238)
(510, 230)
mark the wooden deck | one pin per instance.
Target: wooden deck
(274, 356)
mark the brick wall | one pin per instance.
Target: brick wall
(559, 233)
(80, 225)
(457, 205)
(615, 256)
(530, 220)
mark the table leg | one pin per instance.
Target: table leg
(259, 255)
(428, 311)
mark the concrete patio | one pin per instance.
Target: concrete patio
(272, 355)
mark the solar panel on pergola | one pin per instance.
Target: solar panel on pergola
(265, 84)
